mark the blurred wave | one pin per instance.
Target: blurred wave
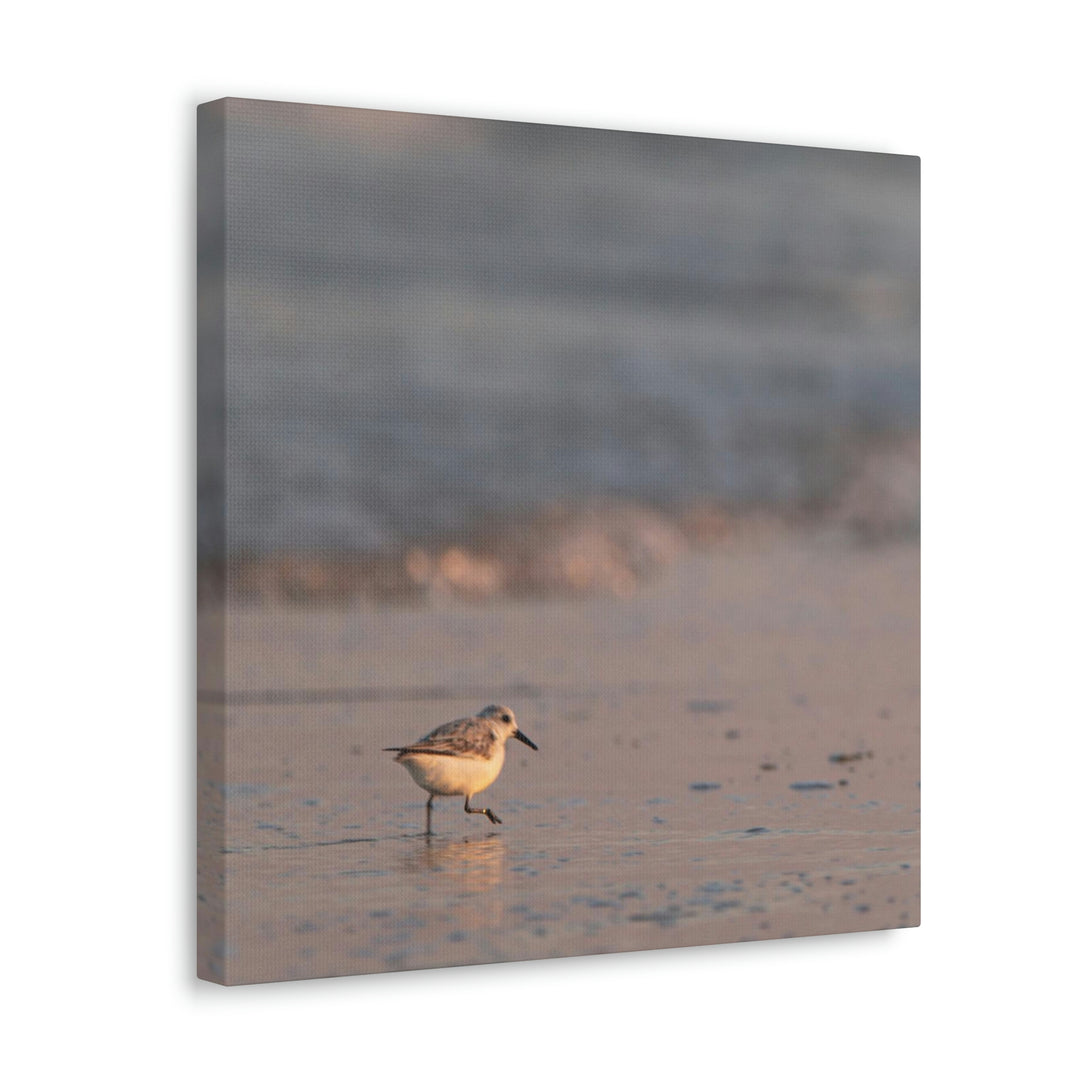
(430, 322)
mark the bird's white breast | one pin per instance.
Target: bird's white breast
(444, 775)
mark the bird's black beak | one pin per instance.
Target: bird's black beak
(526, 741)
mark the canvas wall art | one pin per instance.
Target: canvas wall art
(558, 541)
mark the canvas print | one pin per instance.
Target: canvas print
(558, 541)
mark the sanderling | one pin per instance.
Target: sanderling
(463, 757)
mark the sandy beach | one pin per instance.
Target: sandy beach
(730, 754)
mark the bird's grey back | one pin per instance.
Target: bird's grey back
(472, 736)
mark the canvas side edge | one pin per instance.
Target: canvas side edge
(210, 573)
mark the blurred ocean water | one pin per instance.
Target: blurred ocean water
(429, 320)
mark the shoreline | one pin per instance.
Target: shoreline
(731, 753)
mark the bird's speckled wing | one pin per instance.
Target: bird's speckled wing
(470, 738)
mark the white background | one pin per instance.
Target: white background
(98, 428)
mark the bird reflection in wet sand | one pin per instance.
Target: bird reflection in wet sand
(463, 757)
(476, 865)
(454, 874)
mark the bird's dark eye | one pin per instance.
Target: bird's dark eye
(505, 719)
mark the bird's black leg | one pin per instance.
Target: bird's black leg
(473, 810)
(431, 799)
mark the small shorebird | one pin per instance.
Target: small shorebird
(463, 757)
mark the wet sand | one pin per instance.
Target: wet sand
(731, 754)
